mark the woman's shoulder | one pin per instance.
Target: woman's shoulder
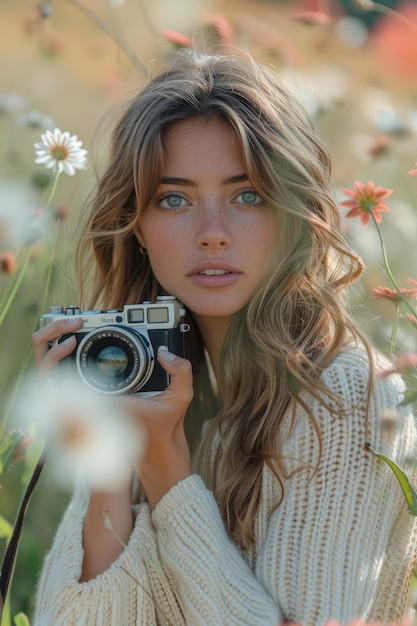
(356, 366)
(378, 396)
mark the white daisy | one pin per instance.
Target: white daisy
(61, 151)
(91, 439)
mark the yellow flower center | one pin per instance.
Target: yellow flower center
(59, 153)
(367, 204)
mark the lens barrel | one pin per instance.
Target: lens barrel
(115, 359)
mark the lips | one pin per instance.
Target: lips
(214, 274)
(214, 268)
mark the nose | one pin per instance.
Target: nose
(213, 231)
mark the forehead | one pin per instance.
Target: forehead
(200, 141)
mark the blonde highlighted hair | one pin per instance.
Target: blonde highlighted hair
(296, 323)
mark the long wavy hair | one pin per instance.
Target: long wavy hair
(295, 323)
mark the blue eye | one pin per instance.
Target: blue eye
(249, 198)
(171, 201)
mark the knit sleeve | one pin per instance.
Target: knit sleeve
(342, 544)
(215, 583)
(134, 591)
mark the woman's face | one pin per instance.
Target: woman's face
(210, 237)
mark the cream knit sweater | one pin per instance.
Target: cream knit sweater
(341, 544)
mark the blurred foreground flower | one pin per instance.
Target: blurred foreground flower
(90, 438)
(61, 151)
(366, 199)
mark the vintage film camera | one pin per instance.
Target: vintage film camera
(116, 349)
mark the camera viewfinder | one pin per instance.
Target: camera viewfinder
(158, 315)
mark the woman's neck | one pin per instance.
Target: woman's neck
(213, 330)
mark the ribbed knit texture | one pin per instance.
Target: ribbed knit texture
(341, 544)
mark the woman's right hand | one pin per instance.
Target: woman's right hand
(46, 357)
(100, 548)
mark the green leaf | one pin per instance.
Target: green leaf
(408, 490)
(21, 620)
(6, 528)
(6, 451)
(410, 396)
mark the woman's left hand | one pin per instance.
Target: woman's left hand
(165, 459)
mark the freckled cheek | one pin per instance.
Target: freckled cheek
(265, 236)
(166, 253)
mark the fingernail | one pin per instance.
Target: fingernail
(69, 339)
(166, 354)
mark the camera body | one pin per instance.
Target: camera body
(116, 349)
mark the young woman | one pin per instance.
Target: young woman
(217, 192)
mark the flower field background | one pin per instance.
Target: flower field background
(65, 64)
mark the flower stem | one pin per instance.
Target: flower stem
(393, 332)
(120, 41)
(10, 294)
(5, 309)
(49, 272)
(28, 355)
(53, 189)
(388, 269)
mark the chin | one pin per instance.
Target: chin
(214, 310)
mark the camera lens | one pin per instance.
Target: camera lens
(111, 361)
(115, 359)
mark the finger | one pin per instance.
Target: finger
(41, 339)
(180, 372)
(57, 353)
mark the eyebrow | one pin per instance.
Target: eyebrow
(187, 182)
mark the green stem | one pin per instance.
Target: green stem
(393, 332)
(49, 272)
(53, 189)
(10, 284)
(28, 355)
(16, 285)
(388, 269)
(10, 293)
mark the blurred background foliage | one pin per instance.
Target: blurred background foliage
(66, 63)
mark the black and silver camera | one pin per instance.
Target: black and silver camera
(116, 349)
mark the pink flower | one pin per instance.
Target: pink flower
(366, 199)
(178, 39)
(393, 40)
(413, 172)
(392, 294)
(411, 318)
